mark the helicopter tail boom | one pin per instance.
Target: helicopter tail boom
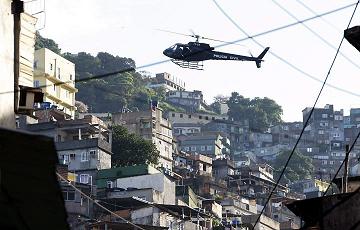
(260, 57)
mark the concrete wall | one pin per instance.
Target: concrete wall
(197, 118)
(27, 42)
(7, 116)
(157, 182)
(101, 160)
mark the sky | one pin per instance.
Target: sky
(131, 28)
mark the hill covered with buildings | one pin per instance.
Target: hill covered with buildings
(157, 155)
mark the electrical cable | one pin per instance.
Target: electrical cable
(284, 60)
(309, 115)
(97, 203)
(225, 44)
(315, 13)
(315, 33)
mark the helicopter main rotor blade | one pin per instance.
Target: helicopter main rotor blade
(200, 37)
(172, 32)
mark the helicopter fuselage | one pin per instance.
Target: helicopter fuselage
(196, 51)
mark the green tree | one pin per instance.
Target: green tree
(130, 149)
(261, 113)
(300, 166)
(110, 93)
(41, 42)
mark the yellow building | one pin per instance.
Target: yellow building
(56, 76)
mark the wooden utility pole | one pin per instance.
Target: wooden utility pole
(346, 169)
(17, 7)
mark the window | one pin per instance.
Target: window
(181, 115)
(71, 77)
(187, 148)
(54, 87)
(309, 150)
(92, 153)
(336, 144)
(110, 184)
(202, 148)
(145, 125)
(84, 156)
(51, 66)
(200, 117)
(209, 147)
(189, 116)
(193, 148)
(35, 64)
(324, 115)
(69, 195)
(324, 124)
(213, 118)
(206, 118)
(173, 114)
(58, 72)
(65, 159)
(336, 134)
(338, 118)
(331, 162)
(321, 131)
(84, 178)
(72, 156)
(36, 83)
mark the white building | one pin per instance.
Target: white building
(167, 81)
(56, 76)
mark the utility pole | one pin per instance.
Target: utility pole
(17, 7)
(346, 169)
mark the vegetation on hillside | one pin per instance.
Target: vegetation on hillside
(261, 113)
(129, 149)
(300, 166)
(111, 93)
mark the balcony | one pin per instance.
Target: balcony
(83, 144)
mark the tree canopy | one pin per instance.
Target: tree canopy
(261, 113)
(41, 42)
(130, 149)
(300, 166)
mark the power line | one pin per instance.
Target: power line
(291, 24)
(309, 115)
(284, 60)
(130, 69)
(315, 33)
(97, 203)
(315, 13)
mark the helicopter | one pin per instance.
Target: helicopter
(192, 54)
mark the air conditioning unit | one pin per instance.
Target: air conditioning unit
(176, 163)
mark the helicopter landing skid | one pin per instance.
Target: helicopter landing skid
(198, 65)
